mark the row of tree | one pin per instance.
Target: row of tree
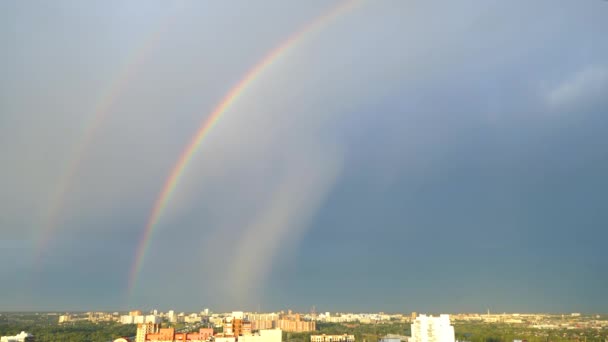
(76, 332)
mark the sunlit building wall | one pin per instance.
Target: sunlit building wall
(332, 338)
(145, 329)
(264, 335)
(432, 329)
(257, 325)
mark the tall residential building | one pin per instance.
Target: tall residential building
(263, 321)
(145, 329)
(293, 323)
(432, 329)
(262, 316)
(259, 325)
(296, 326)
(171, 316)
(237, 326)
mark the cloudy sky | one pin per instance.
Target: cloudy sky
(401, 156)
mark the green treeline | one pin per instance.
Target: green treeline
(500, 332)
(472, 332)
(73, 332)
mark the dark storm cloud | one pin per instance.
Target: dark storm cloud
(442, 155)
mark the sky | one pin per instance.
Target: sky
(400, 156)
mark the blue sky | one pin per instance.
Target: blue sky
(410, 156)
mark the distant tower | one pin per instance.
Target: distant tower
(313, 312)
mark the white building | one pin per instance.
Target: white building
(143, 329)
(265, 335)
(152, 319)
(192, 318)
(128, 319)
(21, 337)
(432, 329)
(171, 316)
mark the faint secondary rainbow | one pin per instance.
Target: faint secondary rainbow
(100, 112)
(230, 98)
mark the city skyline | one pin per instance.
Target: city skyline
(352, 155)
(239, 326)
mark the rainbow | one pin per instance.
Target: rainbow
(229, 99)
(100, 112)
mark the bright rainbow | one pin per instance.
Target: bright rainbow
(230, 98)
(100, 113)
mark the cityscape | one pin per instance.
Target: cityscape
(304, 171)
(288, 326)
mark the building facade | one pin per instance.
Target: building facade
(258, 325)
(154, 333)
(296, 326)
(265, 335)
(294, 323)
(432, 329)
(332, 338)
(145, 329)
(133, 319)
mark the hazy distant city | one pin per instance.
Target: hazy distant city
(312, 326)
